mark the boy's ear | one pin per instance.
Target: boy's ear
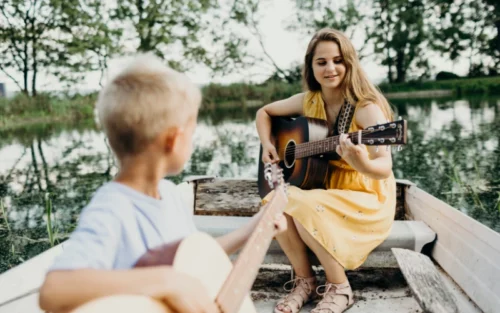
(170, 138)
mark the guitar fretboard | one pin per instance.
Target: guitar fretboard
(241, 278)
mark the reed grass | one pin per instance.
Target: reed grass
(4, 214)
(48, 211)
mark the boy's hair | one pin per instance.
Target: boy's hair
(144, 100)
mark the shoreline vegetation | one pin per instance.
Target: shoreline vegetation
(22, 110)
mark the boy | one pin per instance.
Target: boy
(148, 113)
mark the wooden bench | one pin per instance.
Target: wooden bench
(412, 235)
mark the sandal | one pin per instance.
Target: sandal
(336, 298)
(302, 292)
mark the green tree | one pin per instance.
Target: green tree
(52, 36)
(493, 7)
(346, 16)
(184, 32)
(398, 36)
(463, 29)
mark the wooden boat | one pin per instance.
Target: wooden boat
(465, 255)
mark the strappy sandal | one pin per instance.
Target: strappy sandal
(302, 292)
(334, 298)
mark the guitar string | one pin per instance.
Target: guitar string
(311, 146)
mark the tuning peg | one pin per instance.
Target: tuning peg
(400, 118)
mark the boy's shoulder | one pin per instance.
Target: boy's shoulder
(111, 198)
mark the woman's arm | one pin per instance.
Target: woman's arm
(286, 107)
(375, 164)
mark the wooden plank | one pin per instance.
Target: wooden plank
(425, 282)
(28, 276)
(239, 197)
(466, 249)
(235, 197)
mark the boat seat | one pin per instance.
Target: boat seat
(412, 235)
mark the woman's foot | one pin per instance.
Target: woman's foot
(302, 291)
(336, 298)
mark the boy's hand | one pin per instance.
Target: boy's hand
(185, 293)
(280, 224)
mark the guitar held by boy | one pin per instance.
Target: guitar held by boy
(201, 256)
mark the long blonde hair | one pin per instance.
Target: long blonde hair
(356, 87)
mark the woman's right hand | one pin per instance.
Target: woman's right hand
(269, 154)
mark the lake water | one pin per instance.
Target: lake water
(453, 153)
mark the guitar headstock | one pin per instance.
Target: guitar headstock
(392, 133)
(274, 176)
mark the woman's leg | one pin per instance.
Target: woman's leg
(333, 270)
(337, 296)
(295, 249)
(304, 284)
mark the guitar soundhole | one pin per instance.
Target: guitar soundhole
(289, 158)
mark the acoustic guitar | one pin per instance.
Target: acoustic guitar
(201, 256)
(304, 148)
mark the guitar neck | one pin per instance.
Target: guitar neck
(246, 267)
(322, 146)
(392, 133)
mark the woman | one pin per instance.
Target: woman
(345, 222)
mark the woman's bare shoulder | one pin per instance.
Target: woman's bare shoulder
(369, 114)
(289, 106)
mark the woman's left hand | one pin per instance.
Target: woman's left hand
(355, 155)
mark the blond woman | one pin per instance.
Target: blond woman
(345, 222)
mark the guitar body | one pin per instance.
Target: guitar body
(198, 255)
(306, 173)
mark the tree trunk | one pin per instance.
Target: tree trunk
(25, 69)
(400, 67)
(388, 27)
(496, 44)
(33, 78)
(389, 65)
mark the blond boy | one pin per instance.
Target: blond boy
(149, 114)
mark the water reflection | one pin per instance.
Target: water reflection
(453, 153)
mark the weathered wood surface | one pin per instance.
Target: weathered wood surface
(239, 197)
(425, 282)
(235, 197)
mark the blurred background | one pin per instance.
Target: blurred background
(437, 61)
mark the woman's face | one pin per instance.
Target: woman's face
(328, 65)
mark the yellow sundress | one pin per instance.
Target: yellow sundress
(354, 214)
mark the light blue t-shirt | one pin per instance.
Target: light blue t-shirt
(120, 224)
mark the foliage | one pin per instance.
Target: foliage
(469, 86)
(347, 16)
(443, 75)
(464, 30)
(399, 36)
(57, 37)
(184, 32)
(23, 109)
